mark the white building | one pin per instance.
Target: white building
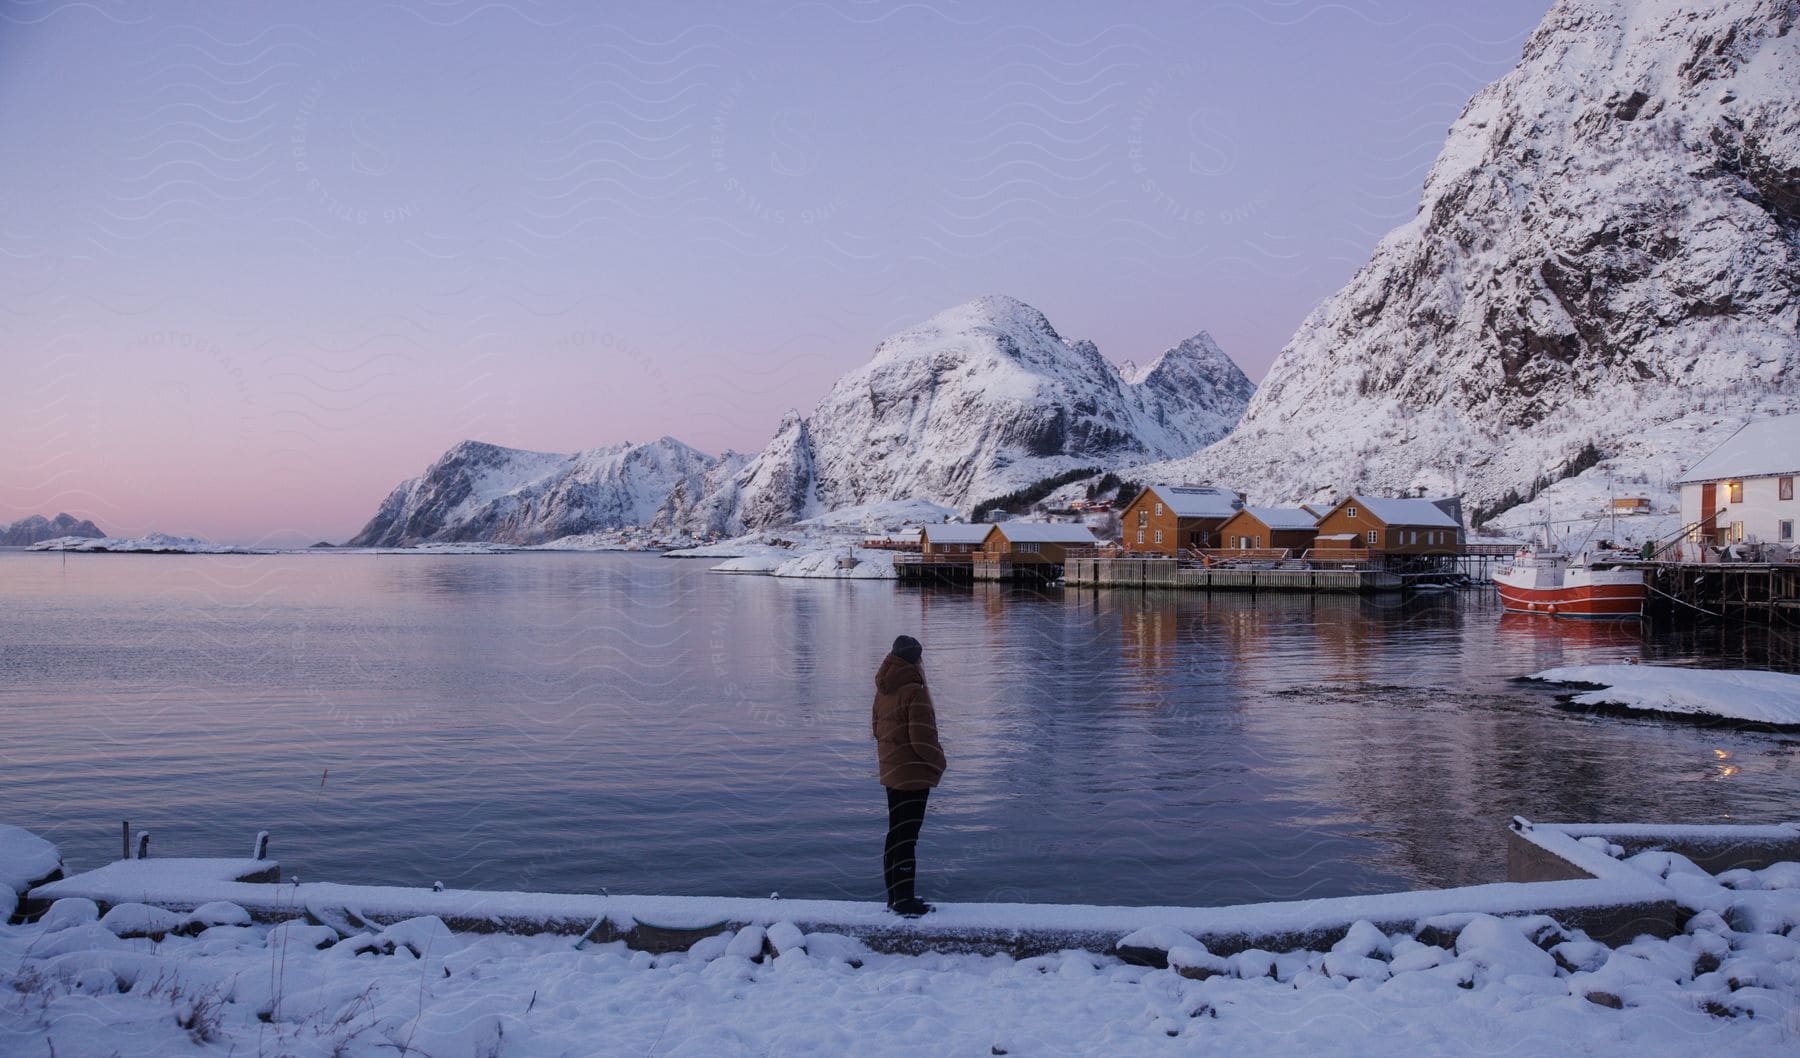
(1743, 490)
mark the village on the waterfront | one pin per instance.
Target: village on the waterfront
(1733, 550)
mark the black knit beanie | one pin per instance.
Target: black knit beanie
(906, 648)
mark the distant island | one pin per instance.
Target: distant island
(37, 528)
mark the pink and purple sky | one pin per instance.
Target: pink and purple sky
(260, 262)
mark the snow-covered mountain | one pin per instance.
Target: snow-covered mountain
(978, 401)
(1607, 253)
(479, 491)
(34, 528)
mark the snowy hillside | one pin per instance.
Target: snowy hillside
(478, 491)
(1607, 253)
(36, 528)
(976, 402)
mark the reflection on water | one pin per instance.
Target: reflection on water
(575, 721)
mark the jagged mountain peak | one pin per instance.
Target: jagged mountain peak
(998, 312)
(975, 402)
(1608, 242)
(482, 491)
(1199, 352)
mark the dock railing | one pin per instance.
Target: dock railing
(1490, 550)
(1109, 552)
(915, 558)
(1213, 556)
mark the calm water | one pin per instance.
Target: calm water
(571, 721)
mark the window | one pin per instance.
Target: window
(1258, 540)
(1784, 488)
(1159, 536)
(1736, 534)
(1371, 538)
(1140, 536)
(1143, 520)
(1159, 510)
(1734, 492)
(1349, 512)
(1027, 547)
(1784, 530)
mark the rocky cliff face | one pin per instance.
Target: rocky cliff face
(36, 528)
(484, 492)
(981, 399)
(1608, 245)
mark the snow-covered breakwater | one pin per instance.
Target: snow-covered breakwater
(135, 977)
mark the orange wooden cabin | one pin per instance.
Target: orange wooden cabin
(1258, 528)
(1387, 525)
(1163, 519)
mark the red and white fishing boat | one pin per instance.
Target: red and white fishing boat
(1545, 581)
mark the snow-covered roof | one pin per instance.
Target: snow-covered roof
(1407, 512)
(1046, 532)
(1283, 517)
(1760, 448)
(956, 533)
(1197, 501)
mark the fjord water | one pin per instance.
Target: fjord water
(576, 721)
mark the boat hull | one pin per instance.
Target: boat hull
(1623, 600)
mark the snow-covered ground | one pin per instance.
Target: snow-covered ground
(817, 546)
(604, 540)
(882, 516)
(1735, 694)
(143, 980)
(816, 562)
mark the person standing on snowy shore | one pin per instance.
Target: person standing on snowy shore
(911, 762)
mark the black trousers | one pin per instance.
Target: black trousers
(906, 814)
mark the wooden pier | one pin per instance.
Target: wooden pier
(1161, 572)
(974, 566)
(1754, 591)
(914, 568)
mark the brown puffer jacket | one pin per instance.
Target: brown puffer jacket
(905, 726)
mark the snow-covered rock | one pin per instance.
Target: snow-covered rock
(141, 920)
(483, 492)
(974, 403)
(218, 913)
(69, 912)
(1607, 252)
(1500, 948)
(785, 937)
(25, 861)
(35, 528)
